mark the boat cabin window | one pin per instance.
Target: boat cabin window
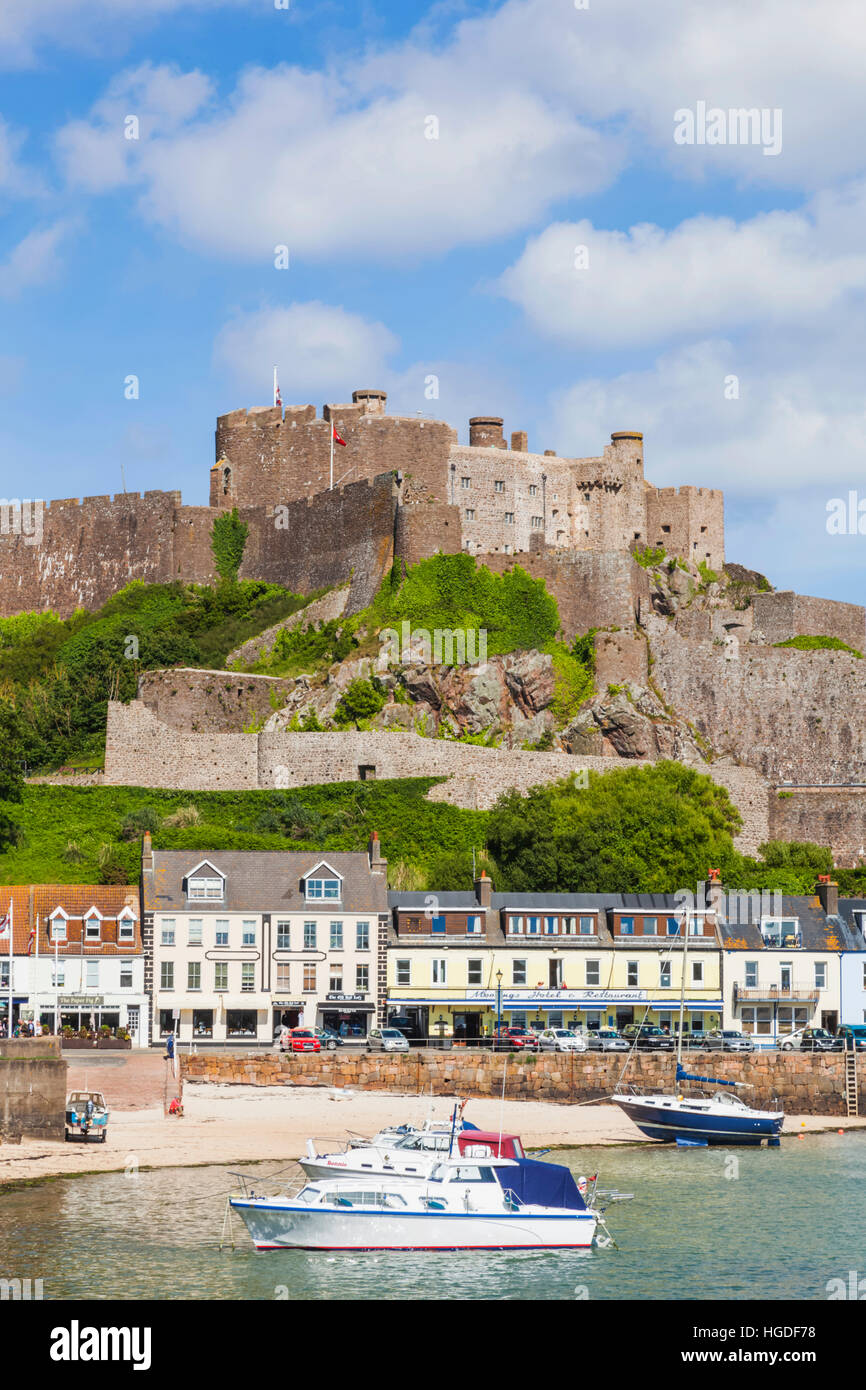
(365, 1199)
(465, 1172)
(310, 1194)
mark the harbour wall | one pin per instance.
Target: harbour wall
(803, 1084)
(32, 1089)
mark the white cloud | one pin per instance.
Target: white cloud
(28, 25)
(709, 274)
(317, 348)
(35, 259)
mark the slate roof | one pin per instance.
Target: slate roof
(263, 881)
(818, 931)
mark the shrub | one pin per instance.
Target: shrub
(649, 555)
(819, 644)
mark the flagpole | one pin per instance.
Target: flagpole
(332, 453)
(56, 991)
(275, 385)
(36, 992)
(11, 938)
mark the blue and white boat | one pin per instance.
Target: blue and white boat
(696, 1119)
(492, 1204)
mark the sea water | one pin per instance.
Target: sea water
(703, 1224)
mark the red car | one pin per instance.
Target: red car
(516, 1037)
(299, 1040)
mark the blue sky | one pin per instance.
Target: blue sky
(309, 126)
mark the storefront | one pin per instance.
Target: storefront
(347, 1015)
(287, 1013)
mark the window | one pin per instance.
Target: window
(499, 485)
(785, 975)
(439, 972)
(515, 926)
(464, 482)
(404, 972)
(221, 976)
(92, 974)
(587, 926)
(336, 978)
(554, 973)
(284, 976)
(550, 926)
(336, 936)
(362, 936)
(126, 929)
(697, 972)
(324, 889)
(626, 926)
(533, 490)
(91, 929)
(470, 513)
(249, 934)
(673, 926)
(474, 972)
(241, 1023)
(193, 975)
(195, 931)
(309, 979)
(473, 925)
(593, 972)
(509, 518)
(438, 926)
(650, 926)
(166, 974)
(205, 889)
(518, 972)
(536, 522)
(309, 936)
(222, 932)
(58, 930)
(820, 974)
(4, 974)
(58, 976)
(532, 925)
(202, 1023)
(751, 974)
(284, 936)
(248, 976)
(665, 974)
(755, 1018)
(362, 978)
(631, 973)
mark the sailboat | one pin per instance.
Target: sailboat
(695, 1119)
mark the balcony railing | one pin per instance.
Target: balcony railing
(768, 994)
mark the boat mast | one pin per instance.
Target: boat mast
(683, 987)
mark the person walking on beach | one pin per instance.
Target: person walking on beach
(169, 1048)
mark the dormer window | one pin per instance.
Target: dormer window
(126, 926)
(324, 889)
(58, 925)
(205, 884)
(92, 928)
(780, 931)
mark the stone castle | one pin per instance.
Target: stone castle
(784, 729)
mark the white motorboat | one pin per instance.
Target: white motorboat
(484, 1204)
(413, 1155)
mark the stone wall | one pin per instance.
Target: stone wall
(793, 715)
(805, 1085)
(785, 615)
(833, 816)
(141, 751)
(603, 588)
(322, 610)
(211, 701)
(32, 1089)
(688, 521)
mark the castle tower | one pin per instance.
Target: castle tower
(372, 402)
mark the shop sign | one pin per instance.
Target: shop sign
(81, 1001)
(591, 998)
(288, 1003)
(346, 998)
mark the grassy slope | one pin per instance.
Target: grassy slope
(410, 828)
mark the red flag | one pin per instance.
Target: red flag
(338, 438)
(30, 942)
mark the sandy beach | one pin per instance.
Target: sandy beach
(246, 1124)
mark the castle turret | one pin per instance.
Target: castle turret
(485, 432)
(373, 402)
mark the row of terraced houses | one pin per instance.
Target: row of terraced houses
(225, 948)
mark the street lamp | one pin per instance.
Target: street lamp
(499, 1003)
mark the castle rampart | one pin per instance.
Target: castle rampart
(784, 615)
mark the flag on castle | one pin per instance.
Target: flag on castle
(278, 400)
(338, 439)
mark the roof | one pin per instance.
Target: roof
(263, 881)
(39, 900)
(818, 930)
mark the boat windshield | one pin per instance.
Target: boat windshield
(364, 1199)
(730, 1100)
(462, 1172)
(432, 1142)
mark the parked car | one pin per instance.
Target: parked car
(561, 1040)
(810, 1040)
(851, 1037)
(327, 1039)
(387, 1040)
(515, 1038)
(606, 1040)
(697, 1038)
(729, 1040)
(649, 1037)
(300, 1040)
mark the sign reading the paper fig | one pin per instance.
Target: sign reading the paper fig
(81, 1001)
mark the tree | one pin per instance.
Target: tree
(653, 829)
(11, 775)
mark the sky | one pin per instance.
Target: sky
(539, 209)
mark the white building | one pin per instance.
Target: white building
(244, 941)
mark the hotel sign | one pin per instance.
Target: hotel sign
(591, 998)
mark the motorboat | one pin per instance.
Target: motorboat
(86, 1116)
(412, 1155)
(486, 1203)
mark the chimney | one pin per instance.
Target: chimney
(483, 889)
(828, 895)
(520, 441)
(146, 853)
(714, 894)
(378, 865)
